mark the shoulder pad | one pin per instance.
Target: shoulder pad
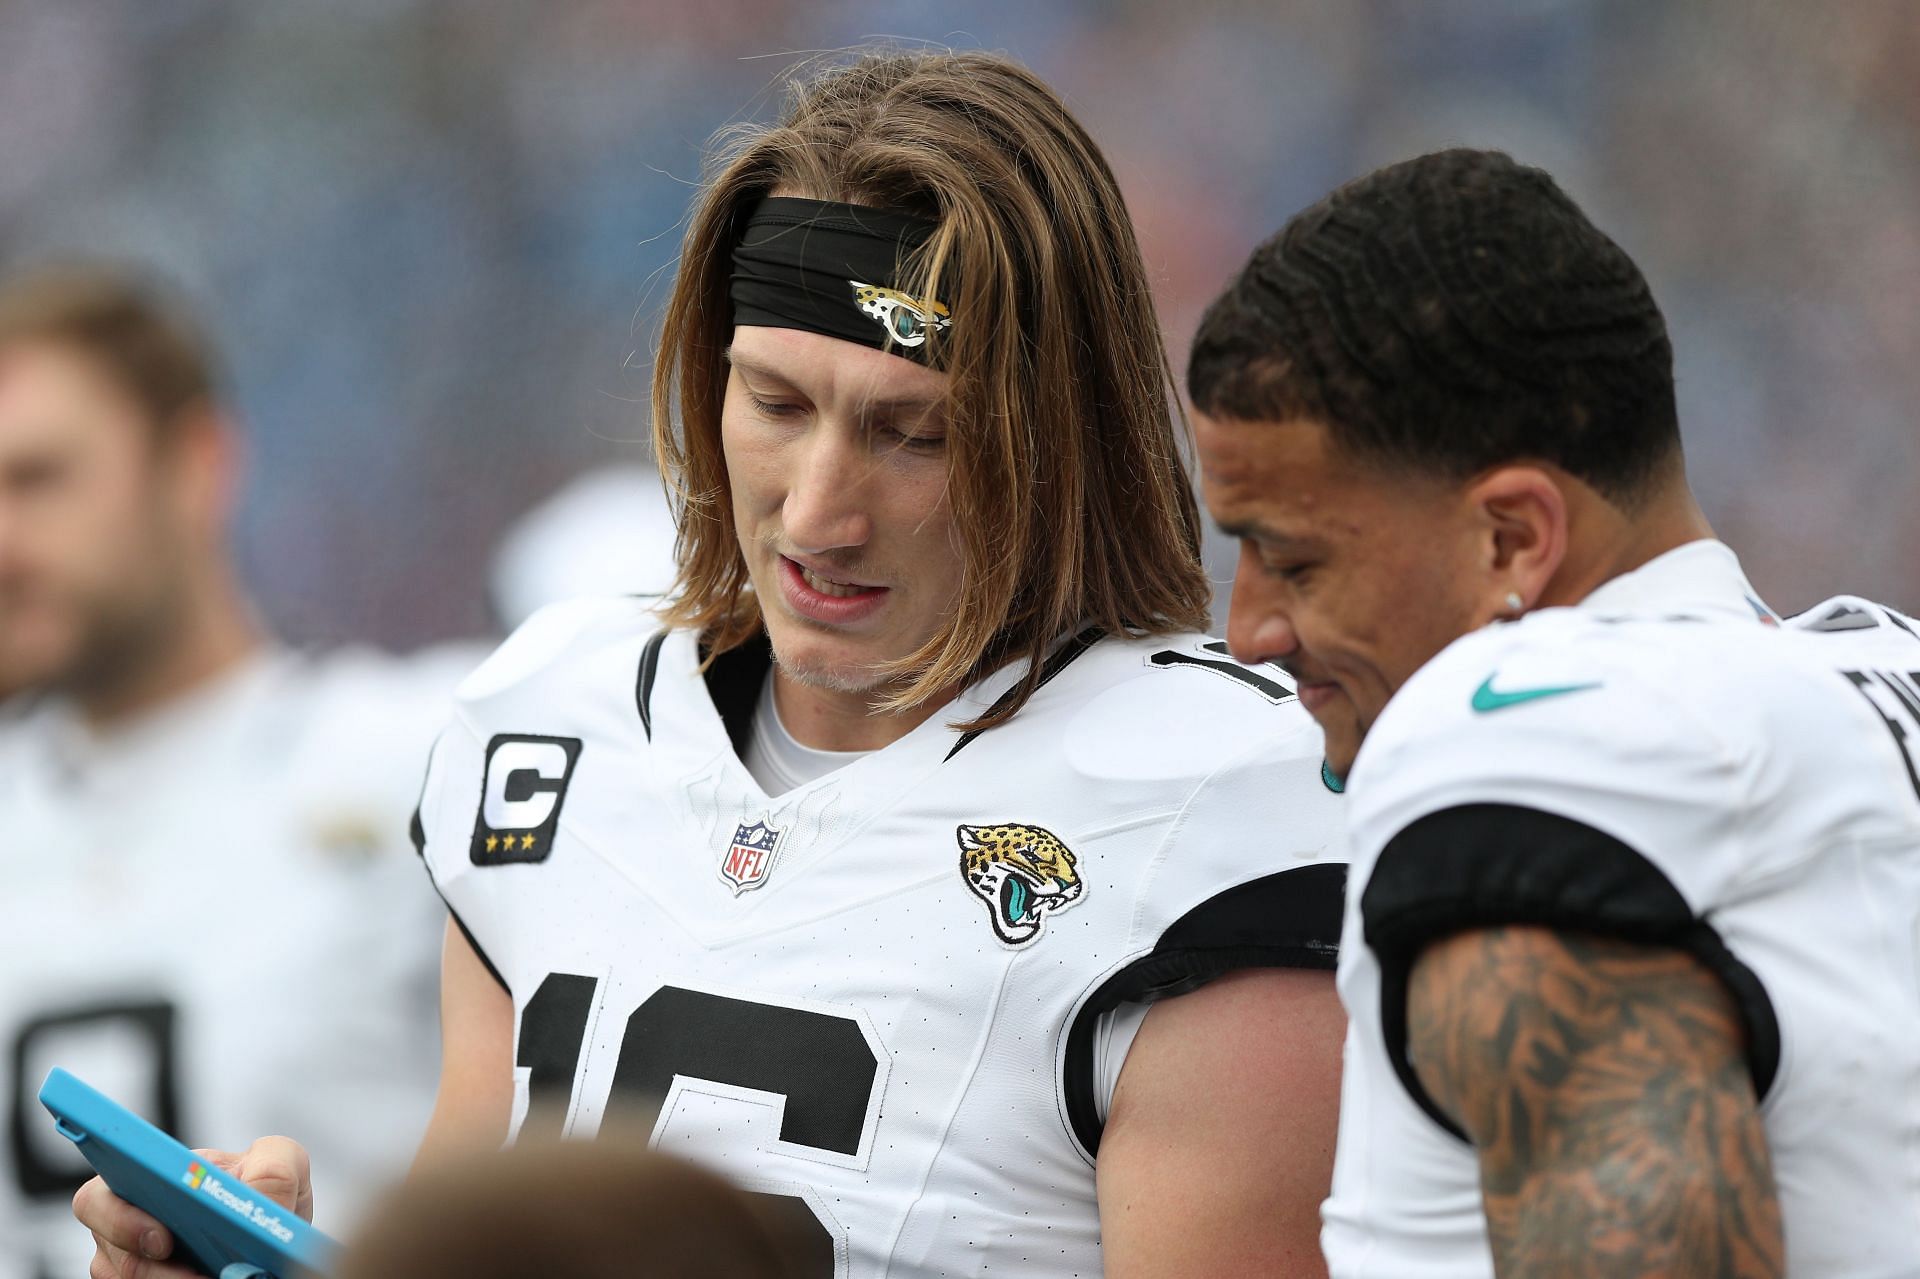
(549, 635)
(1179, 706)
(1851, 613)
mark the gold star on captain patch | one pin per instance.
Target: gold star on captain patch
(493, 842)
(526, 842)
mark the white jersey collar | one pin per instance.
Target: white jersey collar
(1702, 577)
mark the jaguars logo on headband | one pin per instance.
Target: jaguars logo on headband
(1022, 873)
(900, 315)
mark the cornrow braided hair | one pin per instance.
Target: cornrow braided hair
(1449, 314)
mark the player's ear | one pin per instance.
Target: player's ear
(1524, 514)
(204, 451)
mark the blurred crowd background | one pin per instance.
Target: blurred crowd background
(433, 236)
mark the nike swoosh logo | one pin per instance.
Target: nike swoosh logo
(1487, 698)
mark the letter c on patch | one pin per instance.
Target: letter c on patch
(524, 780)
(520, 798)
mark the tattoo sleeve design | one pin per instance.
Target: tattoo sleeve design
(1605, 1088)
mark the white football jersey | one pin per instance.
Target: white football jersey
(212, 915)
(1664, 763)
(877, 992)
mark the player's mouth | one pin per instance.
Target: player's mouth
(1316, 693)
(822, 596)
(829, 586)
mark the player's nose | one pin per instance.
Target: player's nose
(1259, 625)
(826, 506)
(1266, 639)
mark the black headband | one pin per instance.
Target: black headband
(831, 268)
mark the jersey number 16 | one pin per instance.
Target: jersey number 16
(822, 1070)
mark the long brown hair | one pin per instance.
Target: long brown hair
(1070, 499)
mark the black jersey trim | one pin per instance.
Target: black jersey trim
(474, 942)
(1062, 657)
(417, 832)
(1289, 919)
(643, 682)
(416, 825)
(734, 680)
(1494, 865)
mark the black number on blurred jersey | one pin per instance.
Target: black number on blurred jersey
(821, 1063)
(153, 1026)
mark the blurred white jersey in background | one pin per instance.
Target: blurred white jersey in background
(213, 914)
(608, 532)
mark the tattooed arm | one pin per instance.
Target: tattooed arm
(1606, 1089)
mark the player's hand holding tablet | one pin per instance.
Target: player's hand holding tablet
(130, 1244)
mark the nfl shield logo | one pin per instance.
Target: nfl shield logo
(750, 856)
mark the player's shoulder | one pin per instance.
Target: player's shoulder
(1844, 659)
(1861, 619)
(1544, 657)
(1173, 706)
(1698, 665)
(581, 648)
(1561, 704)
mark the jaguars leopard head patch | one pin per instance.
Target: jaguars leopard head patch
(1022, 873)
(906, 319)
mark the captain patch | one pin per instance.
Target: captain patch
(526, 784)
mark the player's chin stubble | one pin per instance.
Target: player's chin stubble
(120, 640)
(827, 676)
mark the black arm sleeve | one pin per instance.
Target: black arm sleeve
(1494, 865)
(1290, 919)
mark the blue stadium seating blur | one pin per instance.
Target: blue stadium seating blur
(434, 234)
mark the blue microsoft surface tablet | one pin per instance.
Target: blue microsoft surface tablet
(219, 1225)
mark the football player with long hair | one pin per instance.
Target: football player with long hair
(921, 863)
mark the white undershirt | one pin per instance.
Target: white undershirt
(776, 760)
(779, 763)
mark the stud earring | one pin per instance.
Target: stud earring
(1515, 604)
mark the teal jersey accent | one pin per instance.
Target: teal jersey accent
(1485, 698)
(1333, 781)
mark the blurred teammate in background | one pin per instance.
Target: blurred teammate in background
(207, 900)
(868, 871)
(1631, 938)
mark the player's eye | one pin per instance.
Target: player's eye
(771, 408)
(911, 438)
(1293, 571)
